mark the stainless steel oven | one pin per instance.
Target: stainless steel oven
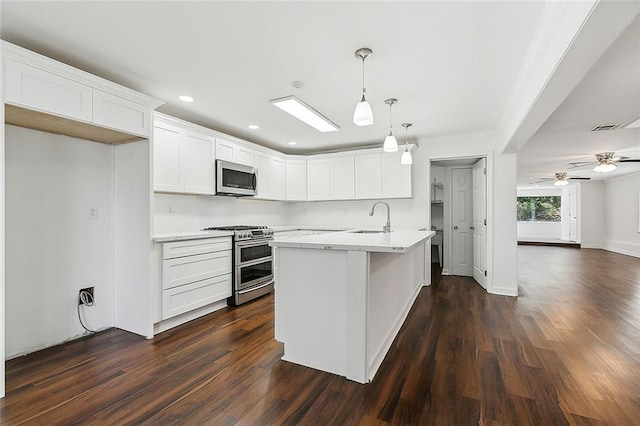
(253, 269)
(252, 262)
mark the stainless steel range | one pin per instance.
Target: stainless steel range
(252, 261)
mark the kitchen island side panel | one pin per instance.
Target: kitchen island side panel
(311, 307)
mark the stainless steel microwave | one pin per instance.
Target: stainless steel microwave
(235, 180)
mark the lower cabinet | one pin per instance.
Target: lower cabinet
(195, 273)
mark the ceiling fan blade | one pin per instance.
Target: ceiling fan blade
(578, 178)
(543, 180)
(629, 160)
(581, 164)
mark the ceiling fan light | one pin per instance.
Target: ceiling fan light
(390, 144)
(363, 115)
(605, 168)
(561, 183)
(406, 158)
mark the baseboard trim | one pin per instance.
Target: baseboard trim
(503, 291)
(620, 247)
(188, 316)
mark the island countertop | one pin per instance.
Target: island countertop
(397, 241)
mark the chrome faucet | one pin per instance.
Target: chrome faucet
(387, 226)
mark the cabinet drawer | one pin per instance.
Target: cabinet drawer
(191, 247)
(186, 270)
(185, 298)
(41, 90)
(121, 114)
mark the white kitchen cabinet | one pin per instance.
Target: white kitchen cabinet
(319, 174)
(396, 177)
(368, 176)
(183, 159)
(41, 90)
(261, 163)
(167, 169)
(122, 114)
(296, 180)
(59, 90)
(234, 152)
(277, 178)
(195, 273)
(198, 164)
(343, 178)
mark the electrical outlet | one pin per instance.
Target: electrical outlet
(93, 212)
(88, 290)
(170, 209)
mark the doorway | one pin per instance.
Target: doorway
(458, 215)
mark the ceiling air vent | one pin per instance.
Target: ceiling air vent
(604, 127)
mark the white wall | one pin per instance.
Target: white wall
(52, 247)
(543, 230)
(178, 213)
(591, 214)
(621, 214)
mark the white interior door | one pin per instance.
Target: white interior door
(480, 222)
(573, 215)
(462, 222)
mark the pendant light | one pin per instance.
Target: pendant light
(390, 142)
(363, 116)
(406, 155)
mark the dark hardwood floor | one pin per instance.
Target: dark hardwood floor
(567, 351)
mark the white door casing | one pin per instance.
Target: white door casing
(461, 222)
(480, 222)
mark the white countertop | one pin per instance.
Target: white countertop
(279, 228)
(397, 241)
(196, 235)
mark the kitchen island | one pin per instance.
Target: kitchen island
(342, 297)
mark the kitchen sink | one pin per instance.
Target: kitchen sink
(365, 231)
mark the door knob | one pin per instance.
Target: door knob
(472, 227)
(455, 227)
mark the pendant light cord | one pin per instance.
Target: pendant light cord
(363, 88)
(390, 120)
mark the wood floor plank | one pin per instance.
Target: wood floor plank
(566, 351)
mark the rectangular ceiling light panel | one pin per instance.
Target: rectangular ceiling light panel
(305, 113)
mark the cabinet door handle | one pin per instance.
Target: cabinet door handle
(455, 227)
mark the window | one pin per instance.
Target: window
(539, 209)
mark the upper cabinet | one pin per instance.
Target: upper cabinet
(343, 178)
(368, 176)
(183, 158)
(296, 180)
(331, 178)
(32, 87)
(44, 94)
(234, 152)
(396, 177)
(277, 178)
(319, 179)
(184, 162)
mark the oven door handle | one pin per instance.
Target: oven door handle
(254, 262)
(255, 288)
(253, 243)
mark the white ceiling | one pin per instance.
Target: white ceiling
(609, 93)
(451, 65)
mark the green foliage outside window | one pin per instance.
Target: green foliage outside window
(539, 209)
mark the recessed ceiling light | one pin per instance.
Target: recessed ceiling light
(186, 98)
(306, 113)
(254, 126)
(292, 143)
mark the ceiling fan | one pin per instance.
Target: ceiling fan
(561, 179)
(605, 162)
